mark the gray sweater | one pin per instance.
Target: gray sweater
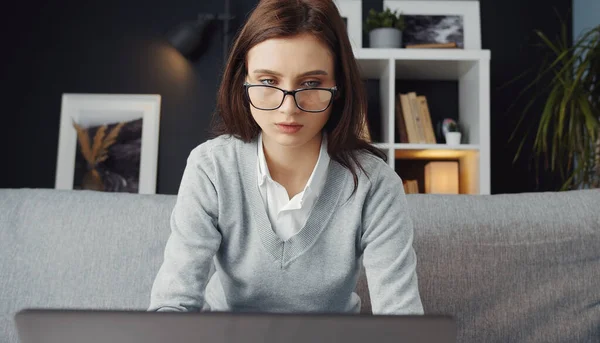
(220, 218)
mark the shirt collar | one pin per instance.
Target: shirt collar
(319, 173)
(263, 170)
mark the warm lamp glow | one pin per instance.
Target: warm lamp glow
(441, 177)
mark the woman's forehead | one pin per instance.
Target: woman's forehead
(290, 56)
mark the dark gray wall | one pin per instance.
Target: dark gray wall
(118, 47)
(106, 47)
(507, 30)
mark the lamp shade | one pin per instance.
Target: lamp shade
(187, 37)
(441, 177)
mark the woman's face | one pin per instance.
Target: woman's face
(290, 63)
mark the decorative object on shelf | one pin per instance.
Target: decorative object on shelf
(451, 131)
(385, 28)
(108, 143)
(441, 177)
(351, 12)
(567, 137)
(413, 119)
(440, 22)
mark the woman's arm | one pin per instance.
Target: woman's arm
(388, 255)
(193, 242)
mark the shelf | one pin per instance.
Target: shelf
(470, 69)
(430, 151)
(422, 54)
(420, 64)
(406, 146)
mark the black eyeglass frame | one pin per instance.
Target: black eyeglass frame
(332, 90)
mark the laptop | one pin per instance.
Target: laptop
(104, 326)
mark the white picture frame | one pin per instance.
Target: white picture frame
(469, 10)
(92, 110)
(352, 11)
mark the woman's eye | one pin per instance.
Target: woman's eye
(311, 84)
(269, 82)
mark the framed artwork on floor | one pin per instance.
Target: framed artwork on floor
(108, 142)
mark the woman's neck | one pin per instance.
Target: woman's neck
(292, 166)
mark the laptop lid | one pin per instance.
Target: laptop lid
(103, 326)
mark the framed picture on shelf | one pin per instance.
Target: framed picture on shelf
(108, 142)
(351, 12)
(443, 24)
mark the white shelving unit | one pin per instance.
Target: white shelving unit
(471, 68)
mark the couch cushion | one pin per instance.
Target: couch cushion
(78, 249)
(512, 268)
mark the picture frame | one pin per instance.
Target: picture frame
(468, 11)
(123, 134)
(351, 12)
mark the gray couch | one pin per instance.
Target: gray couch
(509, 268)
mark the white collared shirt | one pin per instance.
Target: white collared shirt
(288, 216)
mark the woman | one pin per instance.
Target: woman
(287, 201)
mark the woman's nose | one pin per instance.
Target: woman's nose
(289, 105)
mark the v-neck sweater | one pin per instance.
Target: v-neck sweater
(288, 215)
(219, 218)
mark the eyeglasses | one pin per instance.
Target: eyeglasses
(268, 98)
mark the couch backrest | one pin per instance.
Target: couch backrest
(522, 267)
(78, 249)
(513, 267)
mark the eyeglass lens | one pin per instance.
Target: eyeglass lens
(268, 98)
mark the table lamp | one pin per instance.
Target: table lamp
(441, 177)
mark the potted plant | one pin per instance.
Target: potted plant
(385, 28)
(567, 131)
(452, 132)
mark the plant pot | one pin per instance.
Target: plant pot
(385, 37)
(453, 138)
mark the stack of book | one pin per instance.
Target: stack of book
(411, 186)
(413, 119)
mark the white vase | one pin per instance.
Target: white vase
(453, 138)
(385, 37)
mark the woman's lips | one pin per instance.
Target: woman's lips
(289, 128)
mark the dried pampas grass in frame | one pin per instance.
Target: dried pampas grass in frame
(96, 156)
(108, 143)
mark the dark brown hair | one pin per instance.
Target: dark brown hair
(285, 18)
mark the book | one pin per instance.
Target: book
(416, 114)
(409, 119)
(400, 123)
(426, 120)
(411, 186)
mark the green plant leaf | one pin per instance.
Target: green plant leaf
(569, 123)
(591, 122)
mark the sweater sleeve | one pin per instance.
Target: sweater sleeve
(194, 240)
(388, 255)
